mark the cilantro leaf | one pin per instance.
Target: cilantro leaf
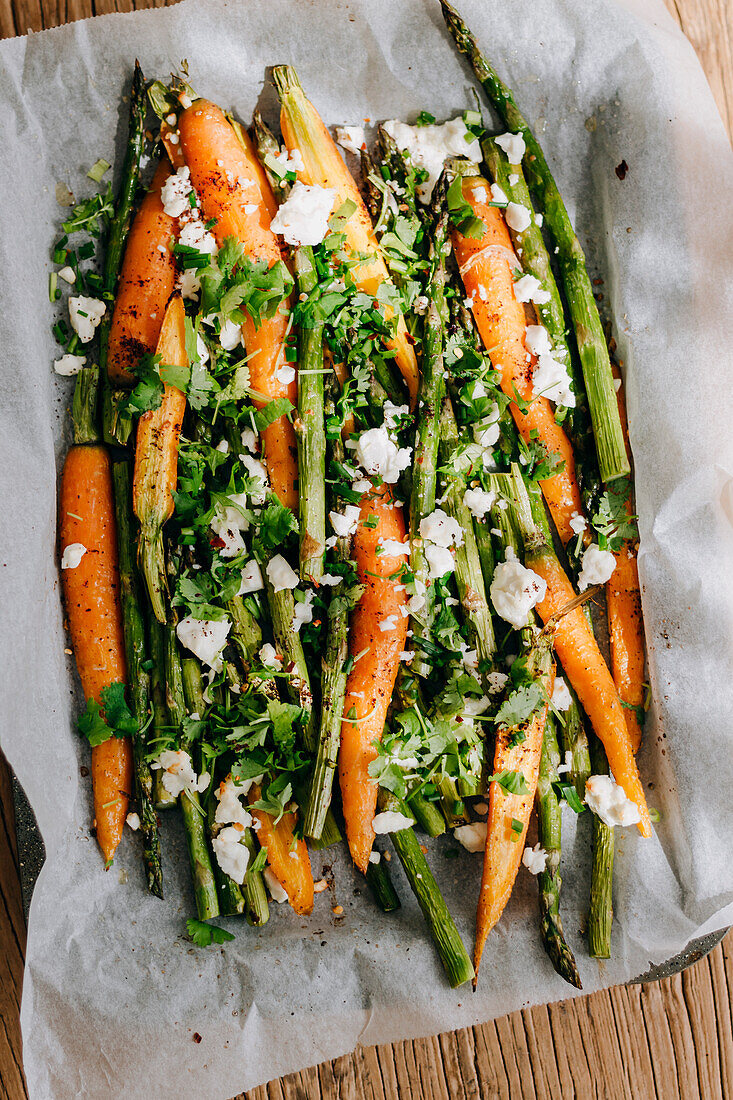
(204, 934)
(117, 720)
(521, 704)
(271, 412)
(148, 391)
(612, 520)
(93, 726)
(511, 782)
(460, 212)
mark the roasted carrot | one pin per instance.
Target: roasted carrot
(504, 844)
(293, 874)
(146, 283)
(583, 663)
(376, 655)
(156, 459)
(92, 593)
(232, 190)
(303, 130)
(625, 622)
(486, 270)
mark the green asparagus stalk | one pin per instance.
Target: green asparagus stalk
(289, 645)
(194, 816)
(84, 407)
(381, 885)
(246, 632)
(451, 802)
(612, 459)
(549, 820)
(231, 901)
(426, 813)
(138, 679)
(600, 914)
(442, 927)
(311, 431)
(116, 427)
(255, 894)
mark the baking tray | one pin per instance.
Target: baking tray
(31, 855)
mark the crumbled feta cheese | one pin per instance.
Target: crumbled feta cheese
(534, 859)
(472, 837)
(480, 194)
(598, 565)
(561, 697)
(133, 820)
(567, 766)
(330, 579)
(280, 574)
(269, 656)
(189, 284)
(517, 217)
(393, 414)
(249, 440)
(230, 810)
(345, 523)
(303, 217)
(375, 857)
(479, 501)
(257, 472)
(350, 138)
(228, 523)
(391, 821)
(429, 146)
(393, 548)
(421, 303)
(513, 179)
(495, 682)
(275, 890)
(513, 145)
(251, 579)
(222, 446)
(175, 191)
(529, 289)
(498, 194)
(72, 555)
(388, 624)
(537, 340)
(608, 801)
(231, 854)
(68, 275)
(230, 335)
(195, 235)
(68, 365)
(441, 529)
(303, 611)
(440, 560)
(378, 454)
(178, 773)
(617, 383)
(290, 161)
(550, 379)
(515, 591)
(250, 207)
(205, 638)
(578, 523)
(203, 353)
(85, 315)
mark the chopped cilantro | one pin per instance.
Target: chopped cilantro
(203, 934)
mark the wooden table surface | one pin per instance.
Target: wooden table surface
(664, 1040)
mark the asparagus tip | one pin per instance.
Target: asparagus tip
(153, 569)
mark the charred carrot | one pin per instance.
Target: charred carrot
(147, 279)
(322, 165)
(486, 265)
(293, 874)
(156, 460)
(92, 593)
(232, 191)
(375, 653)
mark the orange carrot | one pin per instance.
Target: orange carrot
(92, 593)
(583, 663)
(293, 874)
(625, 622)
(232, 189)
(146, 283)
(504, 846)
(376, 654)
(487, 277)
(303, 129)
(156, 459)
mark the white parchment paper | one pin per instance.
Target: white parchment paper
(113, 991)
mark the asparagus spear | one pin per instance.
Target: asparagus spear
(84, 407)
(162, 798)
(450, 946)
(289, 645)
(426, 813)
(380, 884)
(612, 459)
(194, 817)
(135, 652)
(600, 914)
(255, 894)
(116, 428)
(311, 430)
(549, 820)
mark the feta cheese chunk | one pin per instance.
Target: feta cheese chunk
(517, 217)
(303, 217)
(231, 854)
(578, 523)
(537, 340)
(350, 138)
(69, 365)
(230, 334)
(561, 697)
(534, 859)
(275, 890)
(472, 837)
(440, 560)
(378, 454)
(479, 501)
(85, 315)
(529, 289)
(68, 275)
(251, 579)
(303, 611)
(498, 195)
(189, 284)
(441, 529)
(429, 146)
(230, 810)
(205, 638)
(550, 379)
(194, 234)
(280, 574)
(178, 773)
(495, 682)
(72, 555)
(513, 145)
(608, 800)
(598, 565)
(249, 440)
(175, 191)
(515, 591)
(228, 523)
(391, 821)
(345, 523)
(133, 820)
(269, 656)
(257, 472)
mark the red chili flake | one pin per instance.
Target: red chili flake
(621, 170)
(196, 1037)
(217, 543)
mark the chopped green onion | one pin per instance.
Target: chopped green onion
(53, 291)
(97, 170)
